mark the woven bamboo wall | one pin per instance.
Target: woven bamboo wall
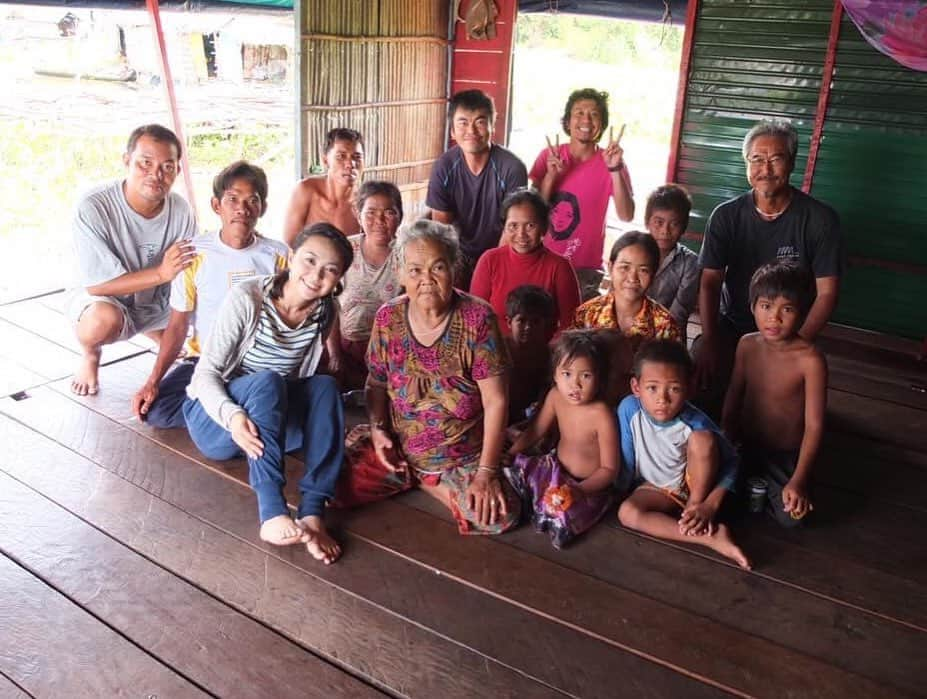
(378, 66)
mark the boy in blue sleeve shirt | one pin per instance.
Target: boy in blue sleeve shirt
(674, 457)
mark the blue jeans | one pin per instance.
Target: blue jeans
(272, 403)
(167, 410)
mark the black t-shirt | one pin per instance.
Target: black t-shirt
(475, 200)
(739, 242)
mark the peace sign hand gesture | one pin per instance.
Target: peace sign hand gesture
(554, 162)
(614, 153)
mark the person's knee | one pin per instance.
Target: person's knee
(325, 388)
(629, 514)
(101, 323)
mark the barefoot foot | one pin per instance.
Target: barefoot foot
(282, 531)
(84, 382)
(722, 542)
(320, 544)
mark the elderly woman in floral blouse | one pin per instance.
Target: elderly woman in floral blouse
(436, 393)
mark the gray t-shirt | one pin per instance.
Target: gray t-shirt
(112, 239)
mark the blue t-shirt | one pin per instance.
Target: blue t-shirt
(656, 452)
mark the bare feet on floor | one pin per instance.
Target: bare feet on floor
(722, 542)
(320, 544)
(282, 531)
(84, 382)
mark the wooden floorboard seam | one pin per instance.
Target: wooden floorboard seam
(16, 685)
(97, 617)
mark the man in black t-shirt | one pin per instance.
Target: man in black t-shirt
(772, 222)
(469, 182)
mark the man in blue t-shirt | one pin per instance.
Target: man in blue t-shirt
(469, 182)
(772, 222)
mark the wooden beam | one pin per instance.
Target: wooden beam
(827, 77)
(682, 90)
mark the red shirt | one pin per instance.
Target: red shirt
(501, 270)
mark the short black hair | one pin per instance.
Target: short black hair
(523, 196)
(379, 187)
(242, 170)
(787, 279)
(645, 240)
(530, 300)
(582, 344)
(342, 134)
(156, 132)
(663, 352)
(587, 93)
(669, 197)
(472, 100)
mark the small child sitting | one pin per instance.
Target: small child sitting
(675, 283)
(675, 457)
(570, 488)
(777, 398)
(530, 313)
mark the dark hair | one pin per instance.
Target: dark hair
(667, 352)
(524, 196)
(242, 170)
(159, 133)
(786, 279)
(582, 344)
(530, 300)
(645, 240)
(317, 230)
(342, 134)
(472, 100)
(375, 188)
(587, 93)
(669, 197)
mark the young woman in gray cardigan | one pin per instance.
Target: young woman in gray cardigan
(255, 392)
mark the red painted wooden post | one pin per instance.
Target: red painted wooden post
(827, 77)
(487, 64)
(176, 125)
(685, 61)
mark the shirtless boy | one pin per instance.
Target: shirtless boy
(570, 488)
(778, 394)
(329, 199)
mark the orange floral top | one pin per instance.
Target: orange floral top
(653, 322)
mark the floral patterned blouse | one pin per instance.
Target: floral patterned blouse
(653, 321)
(435, 404)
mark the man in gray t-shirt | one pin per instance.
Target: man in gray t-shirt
(131, 239)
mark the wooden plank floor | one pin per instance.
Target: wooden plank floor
(130, 565)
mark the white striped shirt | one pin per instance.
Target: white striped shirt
(277, 346)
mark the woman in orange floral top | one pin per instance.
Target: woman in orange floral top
(436, 393)
(633, 261)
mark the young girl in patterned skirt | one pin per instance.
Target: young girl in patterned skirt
(569, 489)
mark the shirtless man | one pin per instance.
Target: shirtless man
(778, 393)
(131, 238)
(329, 199)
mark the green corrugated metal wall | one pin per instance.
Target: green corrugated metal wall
(871, 167)
(764, 58)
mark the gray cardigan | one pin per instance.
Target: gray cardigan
(231, 337)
